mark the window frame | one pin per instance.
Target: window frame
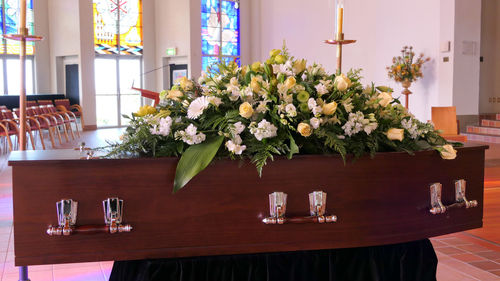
(4, 57)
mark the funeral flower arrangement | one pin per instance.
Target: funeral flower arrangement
(406, 67)
(279, 107)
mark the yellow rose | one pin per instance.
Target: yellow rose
(299, 66)
(304, 129)
(329, 108)
(255, 66)
(280, 59)
(448, 152)
(342, 82)
(174, 95)
(395, 134)
(255, 85)
(290, 82)
(185, 84)
(385, 99)
(274, 52)
(246, 110)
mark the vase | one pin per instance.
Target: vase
(406, 84)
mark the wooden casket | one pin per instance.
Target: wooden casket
(377, 201)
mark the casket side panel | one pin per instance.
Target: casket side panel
(378, 201)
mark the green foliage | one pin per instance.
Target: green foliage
(194, 160)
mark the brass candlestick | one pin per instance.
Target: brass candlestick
(339, 41)
(22, 37)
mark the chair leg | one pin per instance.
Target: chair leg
(40, 133)
(51, 135)
(32, 140)
(76, 128)
(58, 133)
(68, 125)
(10, 142)
(65, 131)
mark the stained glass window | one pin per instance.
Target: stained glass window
(220, 32)
(10, 23)
(118, 27)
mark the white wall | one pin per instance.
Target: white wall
(380, 32)
(64, 30)
(172, 23)
(466, 56)
(42, 48)
(490, 67)
(382, 28)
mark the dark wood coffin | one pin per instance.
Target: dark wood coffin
(377, 201)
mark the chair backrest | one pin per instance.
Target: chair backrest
(44, 109)
(445, 119)
(51, 108)
(45, 102)
(7, 114)
(63, 102)
(2, 107)
(37, 110)
(30, 103)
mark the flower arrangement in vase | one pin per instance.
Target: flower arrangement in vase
(407, 69)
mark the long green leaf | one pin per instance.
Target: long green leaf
(293, 148)
(194, 160)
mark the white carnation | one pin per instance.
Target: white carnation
(321, 89)
(237, 128)
(190, 135)
(163, 127)
(235, 147)
(315, 122)
(263, 130)
(290, 110)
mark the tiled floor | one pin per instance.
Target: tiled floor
(462, 256)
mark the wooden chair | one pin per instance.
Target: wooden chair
(41, 122)
(63, 105)
(12, 123)
(68, 118)
(45, 102)
(30, 103)
(445, 120)
(55, 121)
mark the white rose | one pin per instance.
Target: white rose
(448, 152)
(395, 134)
(342, 82)
(385, 99)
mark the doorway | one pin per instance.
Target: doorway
(114, 77)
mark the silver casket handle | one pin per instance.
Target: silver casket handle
(317, 209)
(66, 214)
(437, 206)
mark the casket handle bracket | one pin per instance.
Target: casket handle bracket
(113, 215)
(317, 209)
(437, 206)
(66, 217)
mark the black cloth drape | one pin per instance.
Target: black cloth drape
(413, 261)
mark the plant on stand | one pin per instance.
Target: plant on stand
(407, 69)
